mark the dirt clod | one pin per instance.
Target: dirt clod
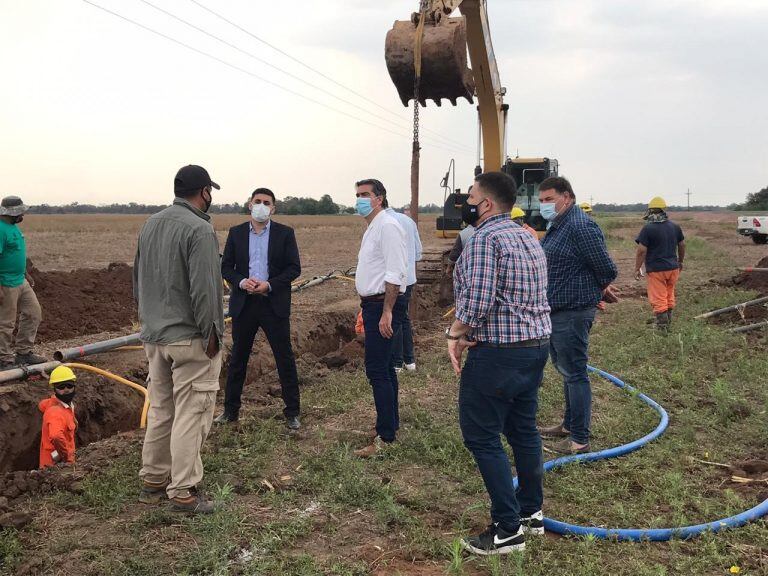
(754, 280)
(15, 520)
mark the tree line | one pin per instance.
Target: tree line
(755, 201)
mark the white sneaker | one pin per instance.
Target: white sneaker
(411, 367)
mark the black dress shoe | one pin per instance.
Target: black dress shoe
(293, 422)
(225, 418)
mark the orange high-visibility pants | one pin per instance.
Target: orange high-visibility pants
(661, 289)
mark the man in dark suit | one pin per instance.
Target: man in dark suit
(261, 259)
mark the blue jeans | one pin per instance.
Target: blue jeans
(402, 342)
(499, 394)
(568, 347)
(379, 368)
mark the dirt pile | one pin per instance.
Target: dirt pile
(754, 280)
(102, 407)
(84, 301)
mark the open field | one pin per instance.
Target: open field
(302, 505)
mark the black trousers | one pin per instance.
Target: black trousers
(256, 314)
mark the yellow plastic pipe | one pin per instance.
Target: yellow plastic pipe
(121, 380)
(130, 348)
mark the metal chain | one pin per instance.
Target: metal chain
(416, 86)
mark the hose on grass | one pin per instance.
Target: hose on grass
(121, 380)
(640, 534)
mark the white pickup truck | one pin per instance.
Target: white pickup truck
(754, 226)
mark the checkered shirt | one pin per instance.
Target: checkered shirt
(578, 262)
(500, 284)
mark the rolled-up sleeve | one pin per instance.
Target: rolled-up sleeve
(590, 243)
(394, 249)
(475, 295)
(205, 283)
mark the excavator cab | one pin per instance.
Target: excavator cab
(529, 173)
(450, 223)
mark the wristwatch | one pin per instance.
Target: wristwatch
(450, 336)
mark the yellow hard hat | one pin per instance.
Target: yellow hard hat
(61, 374)
(585, 206)
(657, 202)
(517, 213)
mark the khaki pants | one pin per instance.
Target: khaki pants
(19, 300)
(182, 393)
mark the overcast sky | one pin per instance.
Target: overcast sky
(635, 99)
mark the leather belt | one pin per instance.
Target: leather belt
(535, 343)
(372, 298)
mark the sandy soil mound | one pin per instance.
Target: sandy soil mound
(84, 301)
(754, 280)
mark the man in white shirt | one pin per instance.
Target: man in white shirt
(381, 280)
(402, 352)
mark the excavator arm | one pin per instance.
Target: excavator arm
(444, 65)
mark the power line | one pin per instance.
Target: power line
(274, 67)
(315, 70)
(249, 73)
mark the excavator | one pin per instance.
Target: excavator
(426, 57)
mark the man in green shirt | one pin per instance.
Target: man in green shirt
(16, 295)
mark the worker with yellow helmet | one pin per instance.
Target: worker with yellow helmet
(661, 249)
(518, 217)
(57, 442)
(586, 207)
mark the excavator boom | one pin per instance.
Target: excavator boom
(444, 71)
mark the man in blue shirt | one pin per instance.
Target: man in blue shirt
(261, 259)
(661, 249)
(403, 355)
(580, 272)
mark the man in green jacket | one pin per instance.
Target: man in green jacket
(16, 295)
(178, 286)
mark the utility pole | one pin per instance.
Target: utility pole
(591, 200)
(688, 193)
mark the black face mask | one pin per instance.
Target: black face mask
(470, 213)
(66, 398)
(18, 219)
(207, 202)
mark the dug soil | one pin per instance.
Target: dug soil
(757, 281)
(84, 301)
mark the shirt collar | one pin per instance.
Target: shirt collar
(494, 218)
(253, 231)
(562, 217)
(194, 209)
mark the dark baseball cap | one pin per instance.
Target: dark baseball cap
(193, 177)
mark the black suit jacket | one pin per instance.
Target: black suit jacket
(283, 260)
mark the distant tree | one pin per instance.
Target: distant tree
(756, 201)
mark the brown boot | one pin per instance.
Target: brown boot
(568, 446)
(371, 450)
(153, 492)
(557, 431)
(195, 503)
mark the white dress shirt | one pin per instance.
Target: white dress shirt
(413, 243)
(383, 256)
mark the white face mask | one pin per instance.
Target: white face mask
(260, 212)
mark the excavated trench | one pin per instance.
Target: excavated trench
(323, 339)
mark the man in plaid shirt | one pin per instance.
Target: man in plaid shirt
(502, 316)
(580, 273)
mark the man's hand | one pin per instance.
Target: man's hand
(30, 280)
(261, 287)
(249, 285)
(456, 351)
(639, 274)
(680, 266)
(610, 295)
(213, 345)
(385, 324)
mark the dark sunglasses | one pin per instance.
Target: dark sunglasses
(64, 385)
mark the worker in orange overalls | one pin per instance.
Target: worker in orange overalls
(59, 423)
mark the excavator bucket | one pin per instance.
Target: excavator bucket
(444, 71)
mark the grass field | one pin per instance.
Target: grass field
(302, 505)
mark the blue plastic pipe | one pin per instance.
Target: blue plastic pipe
(640, 534)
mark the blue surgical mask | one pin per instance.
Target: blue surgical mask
(548, 211)
(363, 206)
